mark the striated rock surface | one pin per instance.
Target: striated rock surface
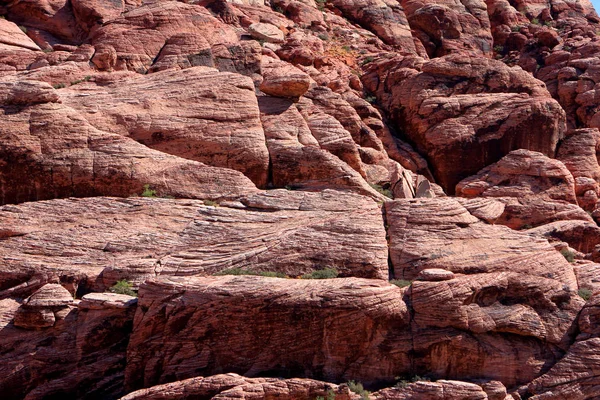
(197, 114)
(96, 242)
(234, 386)
(81, 355)
(535, 189)
(332, 318)
(370, 113)
(440, 233)
(465, 112)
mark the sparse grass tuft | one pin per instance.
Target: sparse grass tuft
(211, 203)
(59, 86)
(585, 294)
(148, 192)
(239, 272)
(568, 255)
(327, 273)
(386, 191)
(358, 388)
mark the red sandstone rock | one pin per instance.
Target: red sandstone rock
(440, 233)
(283, 80)
(535, 189)
(233, 386)
(181, 237)
(450, 26)
(332, 318)
(81, 355)
(446, 106)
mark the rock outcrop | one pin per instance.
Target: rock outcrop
(465, 112)
(413, 187)
(332, 318)
(287, 232)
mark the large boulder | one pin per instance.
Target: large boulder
(466, 112)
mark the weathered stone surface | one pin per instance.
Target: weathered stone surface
(574, 377)
(536, 189)
(582, 236)
(439, 390)
(578, 152)
(440, 233)
(384, 18)
(266, 32)
(81, 355)
(465, 112)
(11, 35)
(197, 113)
(332, 318)
(282, 79)
(51, 150)
(98, 241)
(450, 26)
(234, 386)
(139, 35)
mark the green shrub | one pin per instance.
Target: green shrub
(321, 4)
(515, 28)
(239, 271)
(383, 190)
(405, 381)
(400, 283)
(535, 21)
(358, 388)
(324, 37)
(148, 192)
(367, 60)
(123, 287)
(59, 86)
(585, 294)
(568, 255)
(330, 396)
(372, 100)
(327, 273)
(211, 203)
(498, 49)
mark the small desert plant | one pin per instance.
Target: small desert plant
(123, 287)
(383, 190)
(400, 283)
(148, 192)
(239, 271)
(324, 37)
(498, 49)
(367, 60)
(330, 396)
(21, 27)
(78, 81)
(358, 388)
(59, 86)
(279, 10)
(327, 273)
(211, 203)
(535, 21)
(585, 294)
(568, 255)
(405, 381)
(371, 99)
(321, 4)
(515, 28)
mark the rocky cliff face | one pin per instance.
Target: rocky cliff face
(304, 194)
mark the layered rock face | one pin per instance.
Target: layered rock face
(413, 187)
(289, 232)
